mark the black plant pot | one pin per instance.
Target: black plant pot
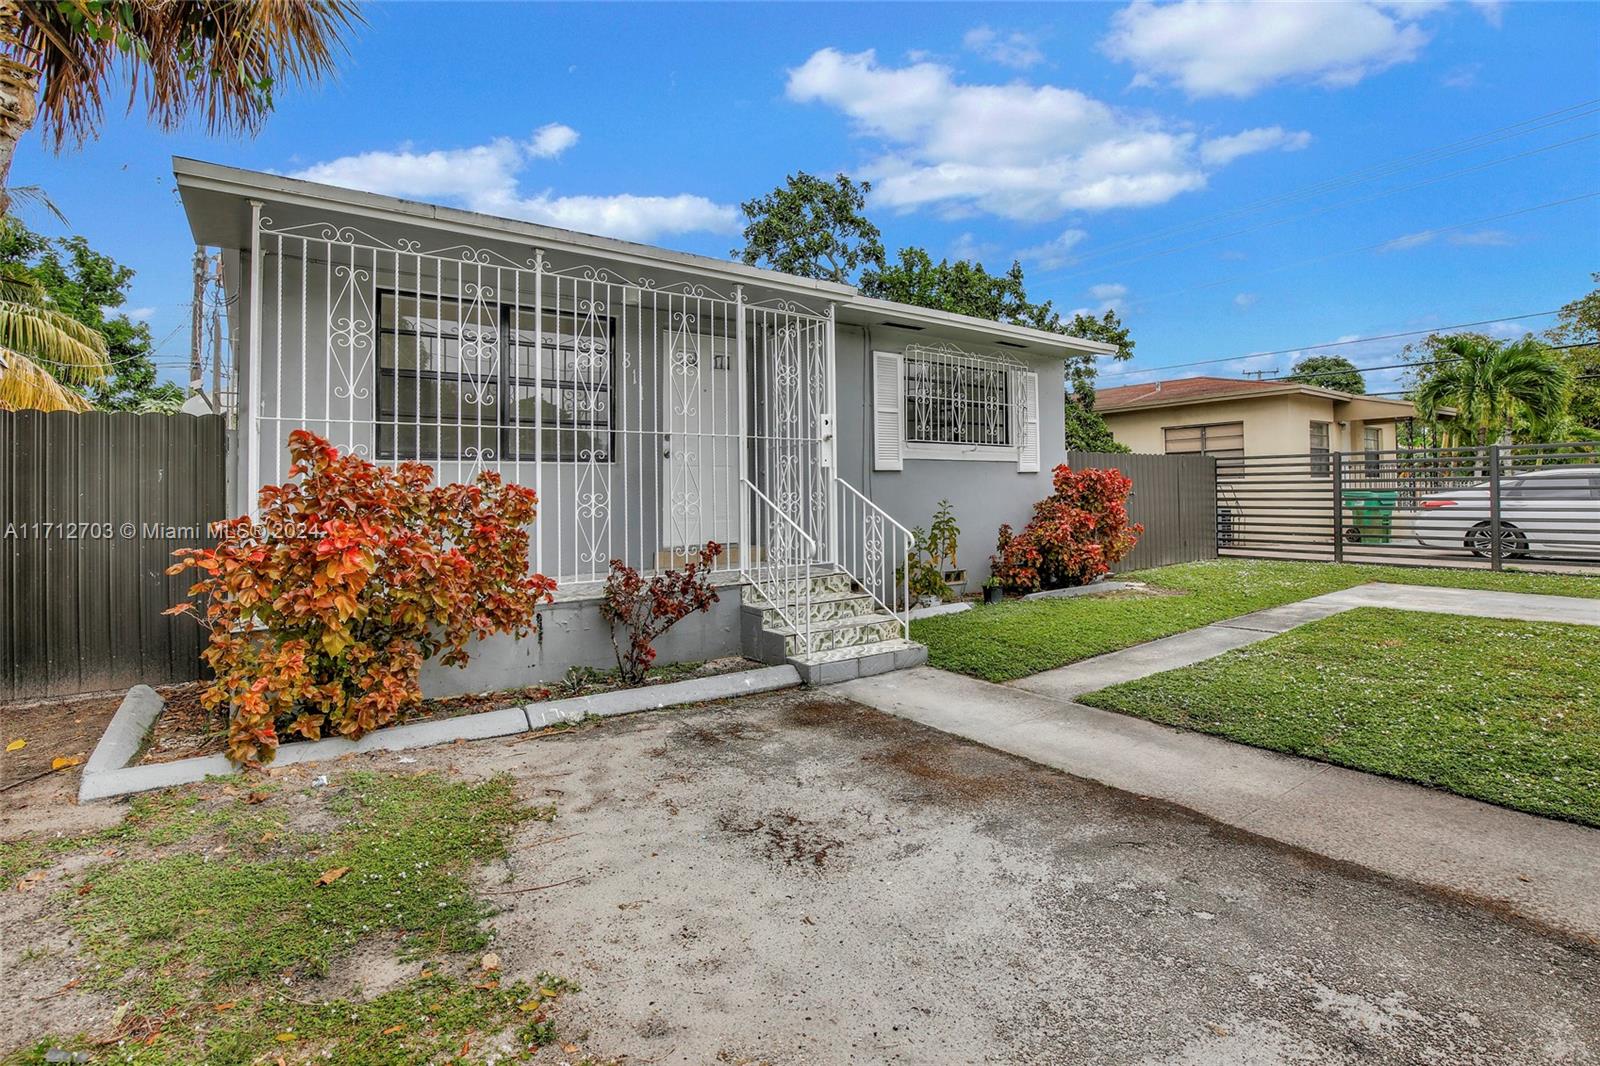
(993, 594)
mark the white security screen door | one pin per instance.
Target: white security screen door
(700, 446)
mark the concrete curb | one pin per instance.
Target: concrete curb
(939, 608)
(107, 773)
(1096, 588)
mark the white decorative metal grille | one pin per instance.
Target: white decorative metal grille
(961, 398)
(645, 414)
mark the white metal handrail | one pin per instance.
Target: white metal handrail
(778, 562)
(875, 551)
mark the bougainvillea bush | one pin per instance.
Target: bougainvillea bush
(323, 608)
(640, 611)
(1076, 533)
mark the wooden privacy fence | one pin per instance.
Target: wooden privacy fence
(1174, 496)
(92, 507)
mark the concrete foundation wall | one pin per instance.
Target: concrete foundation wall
(574, 634)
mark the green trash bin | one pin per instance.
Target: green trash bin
(1369, 515)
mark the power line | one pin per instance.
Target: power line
(1120, 263)
(1405, 366)
(1434, 231)
(1370, 173)
(1337, 344)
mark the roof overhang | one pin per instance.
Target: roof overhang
(1365, 408)
(217, 201)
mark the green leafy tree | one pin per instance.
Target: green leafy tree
(88, 287)
(1516, 390)
(1577, 332)
(1329, 372)
(813, 228)
(965, 288)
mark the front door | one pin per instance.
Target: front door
(700, 445)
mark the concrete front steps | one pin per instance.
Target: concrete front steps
(851, 636)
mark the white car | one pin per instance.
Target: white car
(1552, 513)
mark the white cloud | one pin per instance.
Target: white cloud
(138, 314)
(1019, 151)
(970, 247)
(1484, 238)
(550, 140)
(1235, 49)
(1056, 252)
(1220, 151)
(485, 178)
(1014, 49)
(1246, 300)
(1108, 292)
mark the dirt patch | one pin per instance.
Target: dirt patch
(943, 769)
(63, 728)
(785, 837)
(823, 713)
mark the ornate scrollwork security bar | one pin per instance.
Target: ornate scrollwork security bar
(958, 397)
(636, 408)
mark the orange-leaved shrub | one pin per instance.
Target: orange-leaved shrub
(1076, 533)
(323, 608)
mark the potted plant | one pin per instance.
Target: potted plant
(993, 591)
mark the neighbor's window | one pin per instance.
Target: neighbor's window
(463, 380)
(1224, 440)
(1372, 445)
(1320, 465)
(960, 402)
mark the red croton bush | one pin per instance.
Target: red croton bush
(640, 611)
(1076, 533)
(323, 608)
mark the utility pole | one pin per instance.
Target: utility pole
(216, 335)
(197, 324)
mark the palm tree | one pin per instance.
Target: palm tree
(220, 58)
(33, 333)
(1493, 387)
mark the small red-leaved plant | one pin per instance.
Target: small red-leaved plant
(640, 611)
(323, 608)
(1076, 533)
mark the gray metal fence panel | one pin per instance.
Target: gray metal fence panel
(1174, 497)
(91, 508)
(1523, 505)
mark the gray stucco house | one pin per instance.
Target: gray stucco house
(654, 400)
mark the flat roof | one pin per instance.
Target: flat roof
(216, 200)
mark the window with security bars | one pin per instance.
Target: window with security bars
(1372, 447)
(1222, 440)
(463, 379)
(959, 401)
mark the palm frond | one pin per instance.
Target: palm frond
(26, 386)
(43, 334)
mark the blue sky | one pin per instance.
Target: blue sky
(1232, 179)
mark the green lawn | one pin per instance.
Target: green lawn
(1019, 638)
(1507, 712)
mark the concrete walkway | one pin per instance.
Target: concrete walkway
(1536, 867)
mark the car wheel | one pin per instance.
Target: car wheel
(1512, 543)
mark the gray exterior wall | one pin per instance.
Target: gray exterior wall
(982, 493)
(574, 634)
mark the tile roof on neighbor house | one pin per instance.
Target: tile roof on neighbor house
(1180, 390)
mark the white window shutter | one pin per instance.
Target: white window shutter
(888, 412)
(1028, 453)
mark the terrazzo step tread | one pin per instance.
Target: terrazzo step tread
(830, 624)
(854, 635)
(855, 651)
(836, 665)
(821, 585)
(836, 607)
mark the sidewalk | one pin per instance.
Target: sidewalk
(1536, 867)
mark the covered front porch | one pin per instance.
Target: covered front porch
(653, 406)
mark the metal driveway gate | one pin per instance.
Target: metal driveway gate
(1525, 505)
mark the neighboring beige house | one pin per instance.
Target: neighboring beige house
(1229, 418)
